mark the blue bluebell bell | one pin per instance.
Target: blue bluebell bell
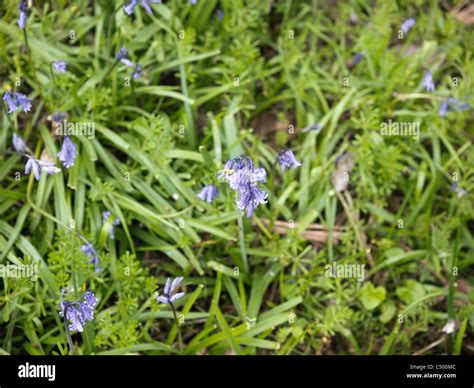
(23, 15)
(122, 56)
(68, 152)
(138, 71)
(219, 14)
(242, 176)
(58, 117)
(287, 159)
(169, 293)
(208, 193)
(357, 58)
(60, 67)
(129, 8)
(452, 104)
(427, 81)
(105, 216)
(407, 25)
(122, 53)
(249, 198)
(16, 100)
(79, 312)
(36, 166)
(18, 143)
(90, 251)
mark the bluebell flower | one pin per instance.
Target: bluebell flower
(68, 152)
(18, 143)
(452, 104)
(23, 15)
(58, 117)
(193, 2)
(458, 190)
(220, 14)
(122, 56)
(357, 58)
(407, 25)
(90, 251)
(32, 165)
(105, 217)
(208, 193)
(78, 312)
(129, 8)
(138, 71)
(60, 66)
(443, 109)
(250, 198)
(169, 293)
(122, 53)
(242, 176)
(16, 100)
(287, 159)
(427, 81)
(36, 166)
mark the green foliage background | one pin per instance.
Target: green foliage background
(213, 89)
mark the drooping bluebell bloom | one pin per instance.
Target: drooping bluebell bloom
(129, 8)
(138, 71)
(122, 53)
(18, 143)
(250, 198)
(58, 117)
(242, 176)
(443, 109)
(208, 193)
(36, 166)
(169, 293)
(23, 15)
(68, 152)
(105, 217)
(16, 100)
(357, 58)
(407, 25)
(122, 56)
(287, 159)
(60, 67)
(78, 312)
(452, 104)
(193, 2)
(219, 14)
(458, 190)
(90, 251)
(32, 165)
(427, 81)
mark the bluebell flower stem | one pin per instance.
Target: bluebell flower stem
(243, 250)
(180, 338)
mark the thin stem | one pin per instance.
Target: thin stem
(243, 250)
(180, 338)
